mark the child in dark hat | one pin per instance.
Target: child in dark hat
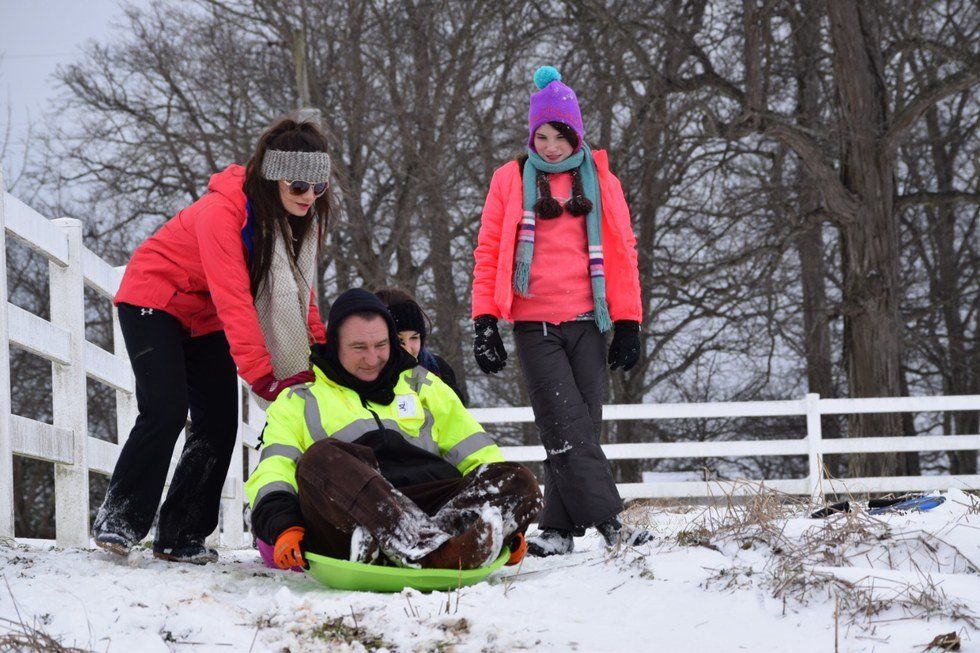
(413, 329)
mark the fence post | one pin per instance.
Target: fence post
(6, 446)
(814, 438)
(233, 532)
(70, 395)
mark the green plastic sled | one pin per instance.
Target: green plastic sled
(346, 575)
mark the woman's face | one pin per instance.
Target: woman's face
(551, 145)
(411, 341)
(298, 205)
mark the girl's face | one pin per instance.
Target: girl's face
(298, 205)
(411, 341)
(551, 145)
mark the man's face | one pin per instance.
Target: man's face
(363, 346)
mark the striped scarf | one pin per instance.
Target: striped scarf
(593, 224)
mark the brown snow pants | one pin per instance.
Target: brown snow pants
(340, 487)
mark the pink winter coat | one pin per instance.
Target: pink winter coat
(195, 269)
(493, 288)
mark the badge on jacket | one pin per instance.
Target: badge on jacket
(406, 405)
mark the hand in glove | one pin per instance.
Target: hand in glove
(288, 552)
(269, 387)
(624, 350)
(518, 547)
(488, 348)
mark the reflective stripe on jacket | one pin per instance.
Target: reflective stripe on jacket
(426, 415)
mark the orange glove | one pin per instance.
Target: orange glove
(288, 552)
(518, 547)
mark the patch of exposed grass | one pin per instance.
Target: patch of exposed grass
(336, 631)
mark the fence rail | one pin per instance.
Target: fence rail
(66, 443)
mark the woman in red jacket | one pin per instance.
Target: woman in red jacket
(226, 283)
(556, 256)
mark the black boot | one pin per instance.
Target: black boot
(550, 542)
(113, 542)
(194, 553)
(615, 533)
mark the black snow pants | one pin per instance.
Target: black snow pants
(173, 372)
(564, 367)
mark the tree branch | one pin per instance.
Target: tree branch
(935, 199)
(929, 96)
(839, 200)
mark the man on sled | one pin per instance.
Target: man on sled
(377, 460)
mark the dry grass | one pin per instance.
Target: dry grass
(798, 567)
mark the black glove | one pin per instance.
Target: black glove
(488, 348)
(624, 350)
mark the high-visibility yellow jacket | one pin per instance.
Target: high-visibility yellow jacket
(424, 434)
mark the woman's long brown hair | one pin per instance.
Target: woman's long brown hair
(268, 213)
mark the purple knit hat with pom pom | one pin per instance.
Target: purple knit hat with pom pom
(554, 102)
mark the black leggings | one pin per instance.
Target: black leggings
(173, 372)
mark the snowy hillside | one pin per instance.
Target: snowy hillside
(756, 578)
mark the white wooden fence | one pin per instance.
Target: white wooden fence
(66, 442)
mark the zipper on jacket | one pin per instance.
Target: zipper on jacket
(544, 326)
(375, 415)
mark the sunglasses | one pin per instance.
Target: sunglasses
(298, 187)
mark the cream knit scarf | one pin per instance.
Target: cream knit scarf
(283, 303)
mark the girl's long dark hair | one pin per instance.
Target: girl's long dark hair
(269, 215)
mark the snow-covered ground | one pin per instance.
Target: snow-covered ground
(754, 578)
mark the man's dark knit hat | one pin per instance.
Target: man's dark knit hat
(356, 300)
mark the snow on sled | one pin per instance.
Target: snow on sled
(346, 575)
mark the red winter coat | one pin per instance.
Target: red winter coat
(493, 274)
(195, 269)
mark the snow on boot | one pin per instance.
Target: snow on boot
(195, 554)
(616, 534)
(363, 547)
(114, 543)
(550, 542)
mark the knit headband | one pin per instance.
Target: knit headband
(313, 167)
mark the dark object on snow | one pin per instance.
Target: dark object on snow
(905, 503)
(833, 509)
(884, 502)
(550, 542)
(947, 642)
(883, 505)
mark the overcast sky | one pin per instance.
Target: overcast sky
(35, 38)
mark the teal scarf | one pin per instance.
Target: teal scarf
(593, 225)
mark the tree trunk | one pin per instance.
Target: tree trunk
(809, 244)
(947, 289)
(869, 237)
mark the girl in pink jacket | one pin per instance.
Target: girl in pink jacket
(556, 256)
(224, 288)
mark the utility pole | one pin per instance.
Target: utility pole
(304, 107)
